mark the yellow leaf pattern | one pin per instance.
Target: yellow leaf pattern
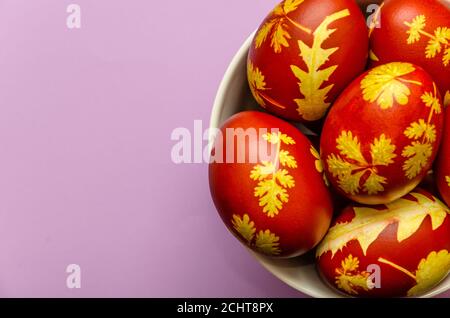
(447, 179)
(419, 155)
(265, 241)
(350, 165)
(430, 272)
(319, 164)
(291, 5)
(313, 105)
(447, 99)
(287, 160)
(446, 57)
(431, 100)
(274, 138)
(257, 83)
(272, 195)
(438, 42)
(244, 227)
(349, 146)
(273, 180)
(441, 38)
(384, 84)
(260, 172)
(349, 279)
(421, 128)
(382, 151)
(277, 27)
(368, 223)
(415, 27)
(423, 135)
(373, 56)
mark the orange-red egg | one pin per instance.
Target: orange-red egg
(267, 183)
(393, 250)
(304, 54)
(417, 32)
(381, 136)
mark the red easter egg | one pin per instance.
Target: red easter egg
(393, 250)
(267, 183)
(417, 32)
(381, 136)
(304, 54)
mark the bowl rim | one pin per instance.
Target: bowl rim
(224, 83)
(214, 123)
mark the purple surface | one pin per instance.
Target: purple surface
(85, 169)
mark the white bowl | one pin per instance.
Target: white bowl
(300, 273)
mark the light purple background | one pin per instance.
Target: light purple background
(85, 169)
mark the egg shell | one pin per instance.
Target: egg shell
(381, 136)
(443, 162)
(304, 54)
(297, 215)
(395, 250)
(417, 32)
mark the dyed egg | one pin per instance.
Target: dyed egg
(443, 162)
(304, 54)
(417, 32)
(382, 134)
(393, 250)
(267, 184)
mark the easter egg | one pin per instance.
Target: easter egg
(304, 54)
(417, 32)
(267, 183)
(443, 162)
(382, 134)
(394, 250)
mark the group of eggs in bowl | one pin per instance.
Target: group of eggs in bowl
(353, 121)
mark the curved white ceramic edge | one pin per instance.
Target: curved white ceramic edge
(299, 273)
